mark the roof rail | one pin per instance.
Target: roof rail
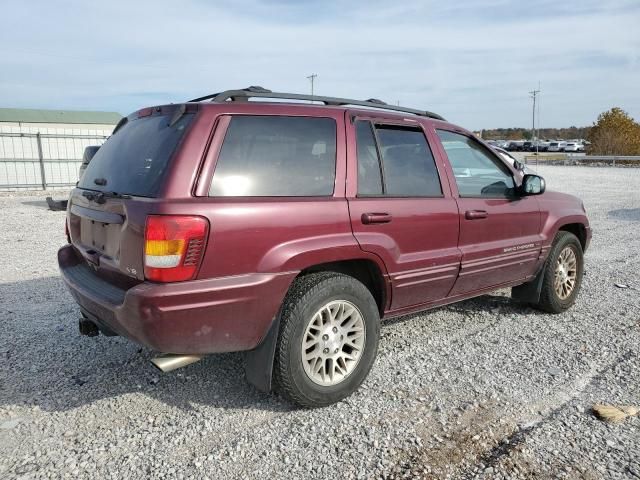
(245, 94)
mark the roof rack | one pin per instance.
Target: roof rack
(245, 94)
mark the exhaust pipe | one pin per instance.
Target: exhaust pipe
(170, 361)
(88, 328)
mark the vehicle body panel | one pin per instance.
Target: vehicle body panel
(429, 254)
(419, 244)
(222, 314)
(558, 210)
(502, 246)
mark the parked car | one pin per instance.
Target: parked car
(556, 146)
(515, 146)
(539, 146)
(573, 147)
(289, 230)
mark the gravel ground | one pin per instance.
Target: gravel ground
(484, 388)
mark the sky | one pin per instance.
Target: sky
(472, 62)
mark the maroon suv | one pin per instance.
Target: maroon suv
(288, 230)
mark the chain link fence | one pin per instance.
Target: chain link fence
(42, 160)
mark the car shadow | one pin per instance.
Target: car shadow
(46, 362)
(36, 203)
(629, 214)
(492, 303)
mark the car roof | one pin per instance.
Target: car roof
(318, 109)
(245, 94)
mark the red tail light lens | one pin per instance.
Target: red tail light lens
(173, 247)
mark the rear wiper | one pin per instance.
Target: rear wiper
(116, 195)
(101, 197)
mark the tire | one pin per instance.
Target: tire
(307, 314)
(551, 300)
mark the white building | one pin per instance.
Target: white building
(41, 148)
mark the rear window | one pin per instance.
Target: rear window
(268, 156)
(134, 160)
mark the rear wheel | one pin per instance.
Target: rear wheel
(562, 274)
(328, 339)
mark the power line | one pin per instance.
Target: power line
(534, 96)
(312, 78)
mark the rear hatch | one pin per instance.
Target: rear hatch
(107, 211)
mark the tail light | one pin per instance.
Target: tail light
(173, 247)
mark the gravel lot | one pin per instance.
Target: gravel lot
(484, 388)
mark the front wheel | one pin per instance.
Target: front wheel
(562, 274)
(328, 339)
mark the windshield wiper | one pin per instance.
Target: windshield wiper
(101, 197)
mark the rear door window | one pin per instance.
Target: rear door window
(134, 160)
(269, 156)
(407, 169)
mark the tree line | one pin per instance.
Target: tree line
(615, 133)
(543, 133)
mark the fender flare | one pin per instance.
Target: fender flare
(259, 361)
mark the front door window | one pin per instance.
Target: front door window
(478, 173)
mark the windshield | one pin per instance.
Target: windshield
(134, 160)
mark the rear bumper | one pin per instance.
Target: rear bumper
(201, 316)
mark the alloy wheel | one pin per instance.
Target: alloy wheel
(566, 273)
(333, 342)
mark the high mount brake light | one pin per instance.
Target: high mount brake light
(173, 247)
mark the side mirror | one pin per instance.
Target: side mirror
(89, 153)
(532, 185)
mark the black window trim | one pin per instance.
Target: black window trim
(376, 141)
(402, 125)
(296, 197)
(492, 154)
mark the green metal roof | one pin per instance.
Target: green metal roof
(27, 115)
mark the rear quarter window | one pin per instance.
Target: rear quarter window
(269, 156)
(134, 160)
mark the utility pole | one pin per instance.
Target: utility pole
(534, 96)
(312, 79)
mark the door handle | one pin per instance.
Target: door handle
(369, 218)
(475, 214)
